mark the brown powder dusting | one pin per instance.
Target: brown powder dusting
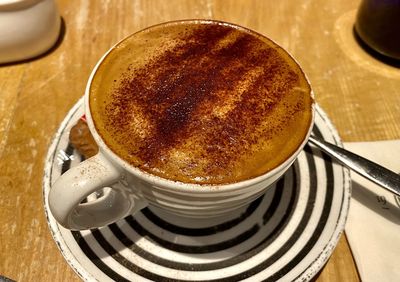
(180, 115)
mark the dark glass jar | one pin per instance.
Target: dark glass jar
(378, 26)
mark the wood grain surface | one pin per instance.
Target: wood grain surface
(359, 93)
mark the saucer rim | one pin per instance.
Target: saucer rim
(313, 268)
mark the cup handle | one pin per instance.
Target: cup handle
(76, 184)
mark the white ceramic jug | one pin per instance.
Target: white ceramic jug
(28, 28)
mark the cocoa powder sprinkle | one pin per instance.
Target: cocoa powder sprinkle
(213, 92)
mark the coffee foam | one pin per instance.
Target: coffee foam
(201, 102)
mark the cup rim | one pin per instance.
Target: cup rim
(179, 185)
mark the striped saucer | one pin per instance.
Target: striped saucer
(288, 234)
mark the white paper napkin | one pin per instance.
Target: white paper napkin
(373, 224)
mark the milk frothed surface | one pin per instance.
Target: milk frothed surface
(201, 102)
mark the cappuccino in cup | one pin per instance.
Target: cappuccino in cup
(196, 117)
(201, 102)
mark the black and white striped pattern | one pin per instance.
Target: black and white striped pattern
(288, 233)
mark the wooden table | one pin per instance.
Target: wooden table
(360, 94)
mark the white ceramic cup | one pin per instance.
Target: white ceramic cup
(131, 189)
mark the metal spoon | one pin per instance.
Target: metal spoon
(370, 170)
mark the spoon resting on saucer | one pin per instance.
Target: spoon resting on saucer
(370, 170)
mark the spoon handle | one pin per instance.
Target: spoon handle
(370, 170)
